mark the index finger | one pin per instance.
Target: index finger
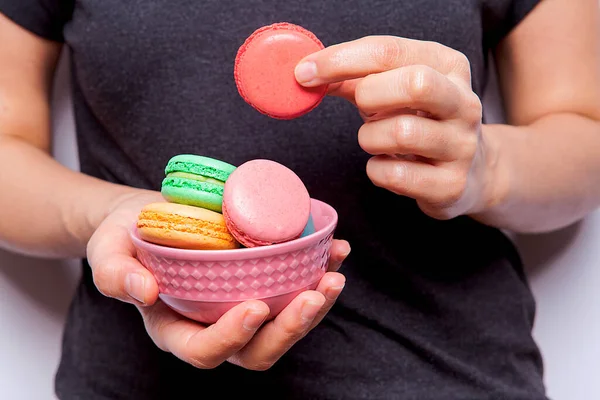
(340, 249)
(375, 54)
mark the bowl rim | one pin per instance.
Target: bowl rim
(241, 253)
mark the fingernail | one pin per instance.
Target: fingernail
(310, 311)
(253, 319)
(306, 72)
(135, 285)
(333, 292)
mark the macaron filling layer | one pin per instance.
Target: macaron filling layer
(194, 177)
(197, 169)
(244, 238)
(172, 222)
(193, 184)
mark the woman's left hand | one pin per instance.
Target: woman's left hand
(423, 122)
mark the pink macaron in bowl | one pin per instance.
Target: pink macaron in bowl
(204, 284)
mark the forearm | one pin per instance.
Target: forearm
(543, 176)
(46, 209)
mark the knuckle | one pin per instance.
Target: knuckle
(230, 342)
(151, 322)
(102, 275)
(468, 146)
(460, 64)
(440, 204)
(396, 177)
(461, 60)
(89, 247)
(474, 109)
(388, 53)
(456, 188)
(292, 334)
(421, 183)
(158, 325)
(406, 133)
(420, 83)
(155, 329)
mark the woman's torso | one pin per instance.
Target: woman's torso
(431, 309)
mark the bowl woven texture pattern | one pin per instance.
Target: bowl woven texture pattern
(240, 279)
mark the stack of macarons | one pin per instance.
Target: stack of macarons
(196, 180)
(212, 205)
(190, 218)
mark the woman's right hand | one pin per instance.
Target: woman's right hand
(236, 337)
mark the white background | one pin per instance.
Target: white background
(563, 266)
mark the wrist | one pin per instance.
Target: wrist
(91, 207)
(494, 175)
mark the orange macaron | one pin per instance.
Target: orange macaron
(185, 227)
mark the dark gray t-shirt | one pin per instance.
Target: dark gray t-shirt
(431, 309)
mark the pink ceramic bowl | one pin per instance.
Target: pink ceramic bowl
(203, 284)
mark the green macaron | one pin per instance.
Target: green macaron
(196, 180)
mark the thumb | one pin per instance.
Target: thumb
(116, 271)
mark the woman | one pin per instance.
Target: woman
(436, 305)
